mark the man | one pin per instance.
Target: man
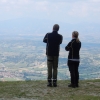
(53, 41)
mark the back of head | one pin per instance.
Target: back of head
(75, 35)
(56, 27)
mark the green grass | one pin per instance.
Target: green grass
(37, 90)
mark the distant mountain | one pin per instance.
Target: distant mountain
(41, 26)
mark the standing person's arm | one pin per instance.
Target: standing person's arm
(45, 39)
(61, 39)
(67, 48)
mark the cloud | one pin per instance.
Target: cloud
(95, 1)
(64, 10)
(21, 8)
(72, 13)
(22, 4)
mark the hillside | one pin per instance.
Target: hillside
(25, 59)
(37, 90)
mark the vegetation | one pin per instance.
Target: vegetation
(37, 90)
(24, 59)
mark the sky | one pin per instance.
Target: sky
(69, 10)
(73, 12)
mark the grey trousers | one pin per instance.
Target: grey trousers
(52, 65)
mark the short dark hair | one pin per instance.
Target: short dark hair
(75, 34)
(56, 27)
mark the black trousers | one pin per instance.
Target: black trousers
(73, 68)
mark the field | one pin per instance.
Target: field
(25, 59)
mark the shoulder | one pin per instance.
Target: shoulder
(47, 34)
(60, 35)
(73, 40)
(79, 42)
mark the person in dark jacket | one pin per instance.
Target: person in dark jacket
(53, 41)
(74, 59)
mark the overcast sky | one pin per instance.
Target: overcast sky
(77, 12)
(63, 10)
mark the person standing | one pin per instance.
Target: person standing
(53, 41)
(74, 59)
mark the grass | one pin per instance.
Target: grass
(37, 90)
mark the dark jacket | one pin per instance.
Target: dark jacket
(53, 41)
(73, 47)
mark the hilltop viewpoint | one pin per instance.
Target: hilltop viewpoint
(38, 90)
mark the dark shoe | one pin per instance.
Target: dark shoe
(54, 84)
(49, 84)
(71, 85)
